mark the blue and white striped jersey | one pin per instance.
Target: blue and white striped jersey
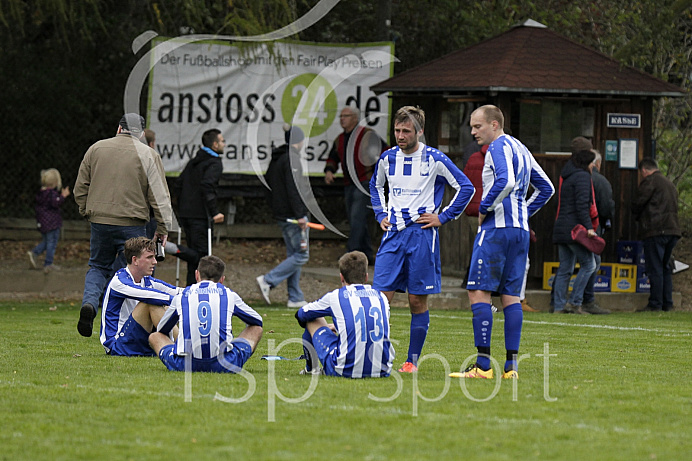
(509, 169)
(203, 314)
(361, 317)
(416, 186)
(123, 294)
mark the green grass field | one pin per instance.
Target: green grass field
(612, 387)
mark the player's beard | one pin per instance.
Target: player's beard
(407, 146)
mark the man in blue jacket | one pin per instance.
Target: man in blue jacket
(196, 189)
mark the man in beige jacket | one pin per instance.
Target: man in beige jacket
(119, 179)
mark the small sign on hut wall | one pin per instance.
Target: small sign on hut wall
(611, 151)
(624, 121)
(629, 150)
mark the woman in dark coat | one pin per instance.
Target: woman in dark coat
(575, 198)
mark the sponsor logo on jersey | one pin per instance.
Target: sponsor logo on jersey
(430, 287)
(400, 191)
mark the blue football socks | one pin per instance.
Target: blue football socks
(514, 317)
(419, 331)
(482, 330)
(307, 339)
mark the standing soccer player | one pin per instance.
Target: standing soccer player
(357, 344)
(501, 247)
(409, 255)
(203, 313)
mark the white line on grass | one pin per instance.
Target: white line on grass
(585, 325)
(570, 425)
(608, 327)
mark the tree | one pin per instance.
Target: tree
(64, 63)
(63, 68)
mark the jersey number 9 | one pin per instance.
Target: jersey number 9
(204, 317)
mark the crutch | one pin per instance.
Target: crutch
(209, 224)
(177, 260)
(177, 263)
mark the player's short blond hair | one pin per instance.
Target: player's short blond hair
(354, 267)
(135, 246)
(492, 113)
(415, 114)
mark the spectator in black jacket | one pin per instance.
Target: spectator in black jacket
(196, 190)
(656, 209)
(603, 193)
(286, 202)
(573, 208)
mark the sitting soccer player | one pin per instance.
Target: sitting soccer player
(134, 302)
(357, 344)
(203, 314)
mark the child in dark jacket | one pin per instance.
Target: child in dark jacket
(48, 217)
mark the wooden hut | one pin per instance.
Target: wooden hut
(551, 89)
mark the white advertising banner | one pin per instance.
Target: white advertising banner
(250, 94)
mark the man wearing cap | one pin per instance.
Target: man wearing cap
(197, 192)
(119, 179)
(286, 202)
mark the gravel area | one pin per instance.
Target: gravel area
(245, 260)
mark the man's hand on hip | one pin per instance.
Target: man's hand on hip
(430, 220)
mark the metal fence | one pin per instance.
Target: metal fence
(40, 133)
(30, 148)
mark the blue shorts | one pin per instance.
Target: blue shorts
(325, 341)
(132, 340)
(229, 362)
(409, 260)
(498, 261)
